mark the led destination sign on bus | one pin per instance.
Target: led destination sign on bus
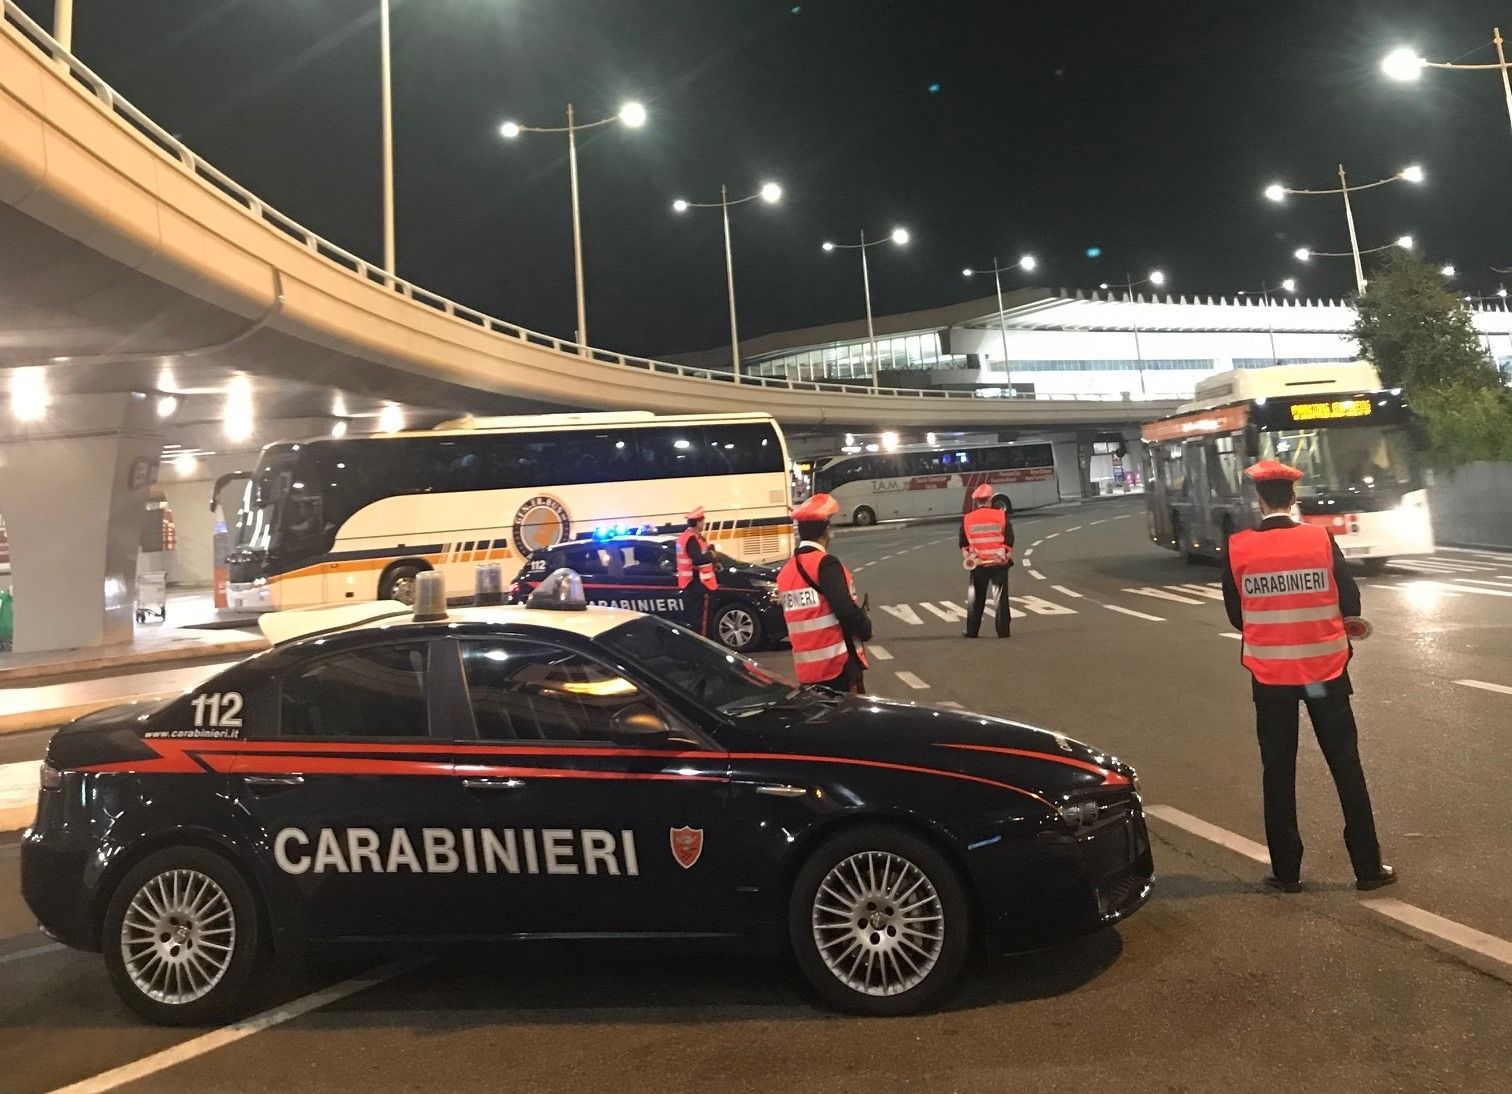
(1331, 411)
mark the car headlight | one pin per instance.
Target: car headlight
(768, 587)
(1081, 814)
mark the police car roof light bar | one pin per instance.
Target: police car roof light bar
(430, 597)
(561, 591)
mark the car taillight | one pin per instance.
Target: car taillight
(51, 778)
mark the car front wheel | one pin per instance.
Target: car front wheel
(181, 938)
(737, 627)
(879, 922)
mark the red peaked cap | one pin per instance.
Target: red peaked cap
(818, 507)
(697, 514)
(982, 493)
(1272, 471)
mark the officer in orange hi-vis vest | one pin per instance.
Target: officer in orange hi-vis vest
(1287, 588)
(987, 551)
(695, 572)
(825, 624)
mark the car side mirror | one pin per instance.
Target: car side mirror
(643, 724)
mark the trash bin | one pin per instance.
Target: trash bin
(7, 620)
(152, 597)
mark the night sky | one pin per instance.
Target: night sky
(1147, 129)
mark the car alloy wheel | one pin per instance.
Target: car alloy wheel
(878, 923)
(736, 628)
(178, 936)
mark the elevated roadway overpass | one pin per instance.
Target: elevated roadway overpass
(124, 258)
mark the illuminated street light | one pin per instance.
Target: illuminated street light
(633, 116)
(1026, 263)
(1277, 192)
(1447, 269)
(1404, 242)
(770, 193)
(1406, 65)
(390, 418)
(166, 406)
(898, 236)
(339, 428)
(1289, 285)
(29, 395)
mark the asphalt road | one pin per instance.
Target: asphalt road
(1217, 985)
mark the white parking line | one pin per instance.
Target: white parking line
(1035, 574)
(1500, 689)
(1078, 528)
(1122, 516)
(911, 680)
(1052, 535)
(226, 1035)
(878, 652)
(1231, 634)
(1162, 594)
(1035, 544)
(1072, 593)
(1028, 555)
(1211, 832)
(1136, 615)
(1095, 523)
(952, 704)
(1502, 584)
(1456, 934)
(35, 951)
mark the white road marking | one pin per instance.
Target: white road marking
(1456, 934)
(1422, 586)
(1443, 587)
(1211, 832)
(878, 652)
(1078, 528)
(1013, 613)
(1072, 593)
(1481, 581)
(226, 1035)
(1035, 544)
(1200, 590)
(1500, 556)
(1028, 555)
(1500, 689)
(1122, 516)
(1231, 634)
(35, 951)
(1136, 615)
(1095, 523)
(1043, 607)
(946, 611)
(1162, 594)
(1032, 572)
(1052, 535)
(911, 680)
(952, 704)
(903, 612)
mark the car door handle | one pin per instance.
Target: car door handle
(781, 790)
(494, 784)
(273, 780)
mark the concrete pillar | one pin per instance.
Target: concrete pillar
(73, 488)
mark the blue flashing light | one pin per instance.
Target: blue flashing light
(934, 89)
(1094, 252)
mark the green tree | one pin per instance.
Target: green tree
(1421, 338)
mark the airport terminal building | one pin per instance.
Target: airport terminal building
(1070, 343)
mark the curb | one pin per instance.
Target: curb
(31, 720)
(57, 670)
(13, 820)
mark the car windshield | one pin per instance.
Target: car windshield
(704, 672)
(1358, 460)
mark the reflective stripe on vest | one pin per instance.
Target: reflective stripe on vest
(820, 651)
(685, 562)
(1293, 629)
(986, 535)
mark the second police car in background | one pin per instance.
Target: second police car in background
(396, 779)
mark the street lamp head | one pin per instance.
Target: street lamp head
(900, 236)
(633, 115)
(1103, 286)
(1157, 278)
(1289, 285)
(1405, 242)
(509, 130)
(679, 206)
(771, 193)
(1412, 174)
(1276, 192)
(1502, 292)
(828, 246)
(1447, 269)
(1403, 64)
(968, 272)
(1302, 254)
(1028, 262)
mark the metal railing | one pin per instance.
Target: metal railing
(232, 191)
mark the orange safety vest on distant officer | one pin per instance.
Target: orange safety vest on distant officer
(1293, 629)
(986, 534)
(685, 562)
(819, 647)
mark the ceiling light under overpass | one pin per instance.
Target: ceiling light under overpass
(390, 419)
(239, 418)
(339, 428)
(166, 406)
(890, 441)
(29, 395)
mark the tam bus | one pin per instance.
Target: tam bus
(1359, 449)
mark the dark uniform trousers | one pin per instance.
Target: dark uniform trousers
(850, 680)
(982, 578)
(1333, 723)
(695, 599)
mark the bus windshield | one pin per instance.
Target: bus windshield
(1357, 460)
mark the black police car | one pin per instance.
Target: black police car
(640, 573)
(512, 772)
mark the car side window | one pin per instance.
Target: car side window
(534, 691)
(377, 691)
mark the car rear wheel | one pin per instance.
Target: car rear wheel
(738, 627)
(879, 922)
(182, 938)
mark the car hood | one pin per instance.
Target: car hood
(862, 727)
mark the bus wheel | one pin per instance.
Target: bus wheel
(1373, 567)
(1001, 503)
(864, 516)
(1182, 545)
(399, 583)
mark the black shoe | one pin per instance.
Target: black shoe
(1387, 876)
(967, 634)
(1271, 881)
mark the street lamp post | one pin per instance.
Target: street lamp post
(387, 95)
(1276, 192)
(1406, 65)
(898, 236)
(770, 193)
(1026, 263)
(1128, 285)
(632, 115)
(1288, 285)
(63, 23)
